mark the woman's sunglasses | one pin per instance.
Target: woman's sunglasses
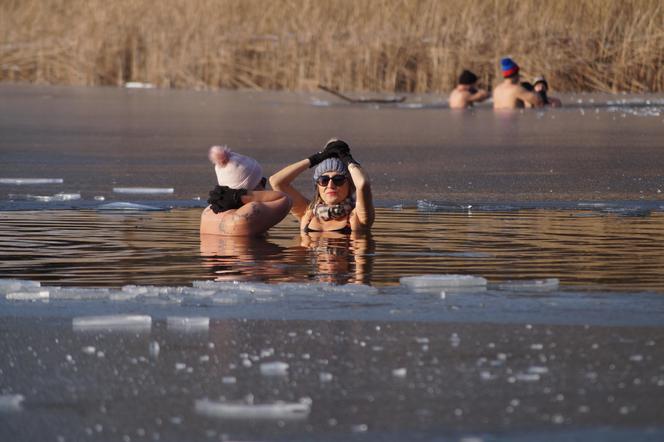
(338, 180)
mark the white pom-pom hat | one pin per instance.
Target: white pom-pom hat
(234, 170)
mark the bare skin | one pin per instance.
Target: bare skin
(360, 219)
(511, 95)
(261, 210)
(464, 96)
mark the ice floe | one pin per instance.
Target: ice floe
(26, 181)
(28, 295)
(14, 285)
(531, 285)
(284, 411)
(11, 402)
(112, 322)
(448, 282)
(128, 207)
(139, 85)
(46, 198)
(182, 323)
(144, 190)
(275, 368)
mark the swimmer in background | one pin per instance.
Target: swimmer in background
(239, 204)
(466, 93)
(510, 94)
(541, 87)
(342, 200)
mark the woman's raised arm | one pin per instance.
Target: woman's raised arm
(364, 207)
(281, 181)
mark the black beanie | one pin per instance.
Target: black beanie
(467, 78)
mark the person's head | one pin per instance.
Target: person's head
(236, 171)
(333, 182)
(540, 84)
(467, 78)
(509, 69)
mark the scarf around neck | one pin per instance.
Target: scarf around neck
(326, 212)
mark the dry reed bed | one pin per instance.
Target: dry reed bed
(363, 45)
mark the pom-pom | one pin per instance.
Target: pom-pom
(219, 155)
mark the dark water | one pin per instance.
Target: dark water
(588, 250)
(572, 194)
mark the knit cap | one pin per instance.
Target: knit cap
(330, 165)
(234, 170)
(509, 67)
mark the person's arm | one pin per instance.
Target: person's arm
(282, 180)
(364, 208)
(478, 96)
(260, 211)
(530, 98)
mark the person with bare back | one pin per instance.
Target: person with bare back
(510, 94)
(466, 93)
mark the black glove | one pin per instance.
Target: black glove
(223, 198)
(341, 150)
(332, 149)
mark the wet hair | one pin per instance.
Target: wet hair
(527, 86)
(467, 78)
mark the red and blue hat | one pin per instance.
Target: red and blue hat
(509, 67)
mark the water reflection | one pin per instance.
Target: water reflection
(599, 250)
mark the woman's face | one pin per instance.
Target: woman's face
(540, 87)
(331, 193)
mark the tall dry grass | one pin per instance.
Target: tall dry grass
(361, 45)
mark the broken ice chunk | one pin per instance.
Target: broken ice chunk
(532, 285)
(284, 411)
(182, 323)
(128, 206)
(28, 295)
(275, 368)
(11, 402)
(22, 181)
(112, 322)
(144, 190)
(14, 285)
(450, 282)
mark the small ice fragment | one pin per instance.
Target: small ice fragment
(527, 377)
(138, 85)
(538, 370)
(11, 402)
(325, 377)
(100, 198)
(182, 323)
(89, 350)
(533, 285)
(284, 411)
(127, 206)
(442, 281)
(112, 322)
(12, 285)
(144, 190)
(153, 349)
(399, 372)
(536, 346)
(636, 358)
(361, 428)
(266, 353)
(23, 181)
(204, 358)
(228, 380)
(180, 366)
(28, 295)
(275, 368)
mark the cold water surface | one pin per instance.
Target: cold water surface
(591, 249)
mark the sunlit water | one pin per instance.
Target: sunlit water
(128, 325)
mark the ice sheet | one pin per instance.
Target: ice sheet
(23, 181)
(284, 411)
(112, 322)
(144, 190)
(46, 198)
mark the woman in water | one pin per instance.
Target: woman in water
(240, 205)
(342, 199)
